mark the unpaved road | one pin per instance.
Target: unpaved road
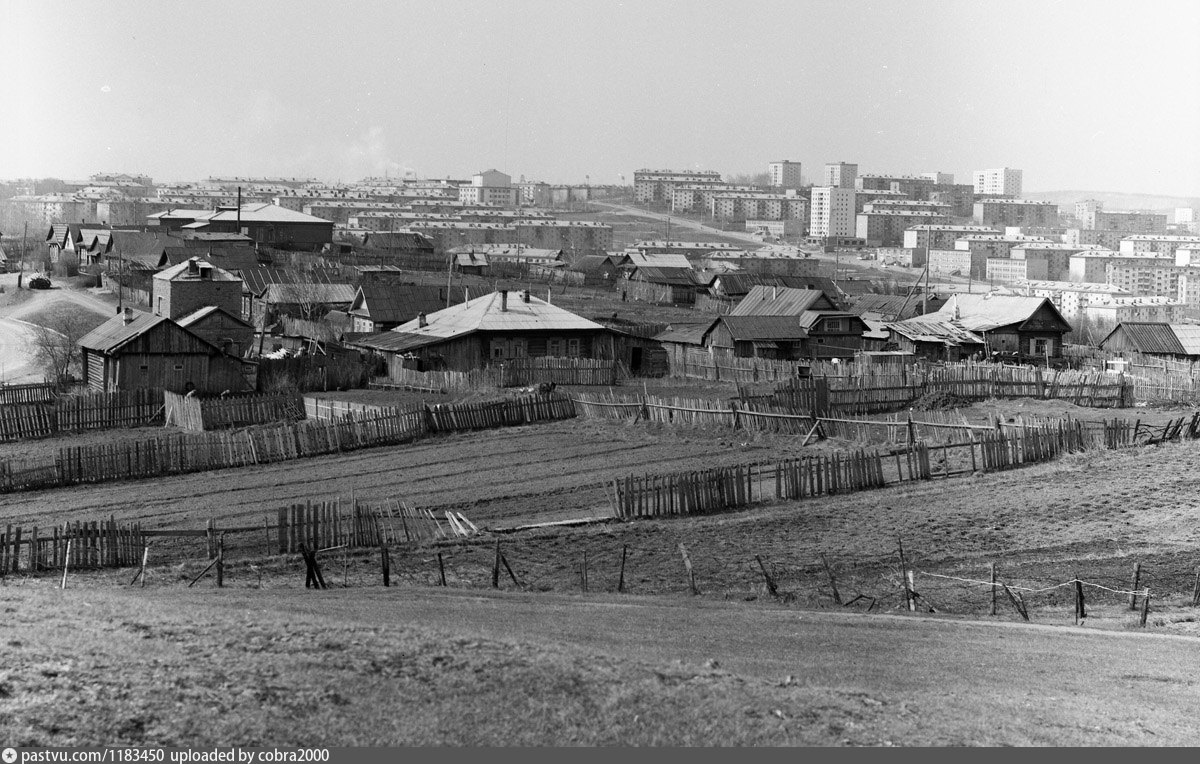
(17, 335)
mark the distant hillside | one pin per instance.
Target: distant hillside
(1115, 200)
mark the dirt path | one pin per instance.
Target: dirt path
(18, 336)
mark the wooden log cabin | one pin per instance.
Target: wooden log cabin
(136, 350)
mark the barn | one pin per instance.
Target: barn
(136, 350)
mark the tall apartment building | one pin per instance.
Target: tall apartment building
(1003, 181)
(758, 207)
(906, 205)
(654, 186)
(785, 174)
(840, 175)
(1015, 212)
(1085, 212)
(831, 212)
(1129, 222)
(1049, 261)
(1155, 277)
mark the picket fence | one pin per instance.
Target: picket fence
(195, 452)
(89, 411)
(326, 525)
(75, 544)
(193, 413)
(519, 372)
(741, 485)
(693, 363)
(35, 392)
(403, 378)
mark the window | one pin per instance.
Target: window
(573, 347)
(554, 347)
(178, 367)
(144, 368)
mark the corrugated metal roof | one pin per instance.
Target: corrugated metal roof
(389, 303)
(1188, 336)
(1152, 337)
(669, 276)
(779, 301)
(644, 260)
(748, 328)
(310, 292)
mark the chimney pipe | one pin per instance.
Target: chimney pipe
(504, 299)
(421, 321)
(127, 319)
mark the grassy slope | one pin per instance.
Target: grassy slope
(205, 667)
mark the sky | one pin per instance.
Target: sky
(1092, 95)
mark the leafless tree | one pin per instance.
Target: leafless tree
(56, 342)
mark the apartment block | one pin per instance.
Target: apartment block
(1132, 222)
(940, 178)
(785, 174)
(956, 262)
(886, 229)
(831, 212)
(758, 206)
(1070, 298)
(1085, 212)
(906, 205)
(1015, 212)
(489, 187)
(992, 246)
(1156, 277)
(840, 175)
(1049, 261)
(655, 186)
(1005, 270)
(1118, 309)
(1156, 244)
(1078, 237)
(571, 236)
(944, 236)
(1002, 181)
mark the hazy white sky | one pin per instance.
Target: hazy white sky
(1095, 95)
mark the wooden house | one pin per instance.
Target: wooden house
(934, 340)
(811, 335)
(1017, 328)
(493, 327)
(1179, 342)
(380, 307)
(665, 285)
(763, 300)
(228, 331)
(136, 350)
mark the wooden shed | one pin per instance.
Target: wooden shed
(138, 350)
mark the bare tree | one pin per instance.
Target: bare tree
(56, 343)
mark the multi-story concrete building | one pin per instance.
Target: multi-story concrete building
(489, 187)
(1188, 291)
(940, 178)
(831, 212)
(943, 236)
(1070, 298)
(960, 197)
(987, 245)
(1089, 266)
(758, 206)
(1157, 244)
(1085, 212)
(886, 229)
(785, 174)
(906, 205)
(1015, 212)
(1117, 309)
(1081, 237)
(1003, 181)
(1048, 261)
(655, 186)
(957, 262)
(1131, 222)
(697, 197)
(1150, 277)
(575, 237)
(1005, 270)
(840, 175)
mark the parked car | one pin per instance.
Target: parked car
(39, 282)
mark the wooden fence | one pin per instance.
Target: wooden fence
(194, 413)
(37, 392)
(327, 525)
(694, 363)
(195, 452)
(89, 411)
(402, 378)
(734, 486)
(74, 544)
(519, 372)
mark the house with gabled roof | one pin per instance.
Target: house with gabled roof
(136, 350)
(664, 285)
(490, 328)
(934, 339)
(811, 335)
(1018, 328)
(228, 331)
(379, 306)
(764, 300)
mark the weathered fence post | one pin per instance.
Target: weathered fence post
(837, 597)
(221, 561)
(687, 563)
(1133, 588)
(1080, 611)
(625, 551)
(993, 588)
(496, 567)
(1145, 608)
(767, 576)
(66, 563)
(386, 563)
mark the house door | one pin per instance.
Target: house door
(635, 360)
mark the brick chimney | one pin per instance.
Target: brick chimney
(127, 318)
(504, 299)
(421, 320)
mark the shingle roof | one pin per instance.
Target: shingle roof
(781, 301)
